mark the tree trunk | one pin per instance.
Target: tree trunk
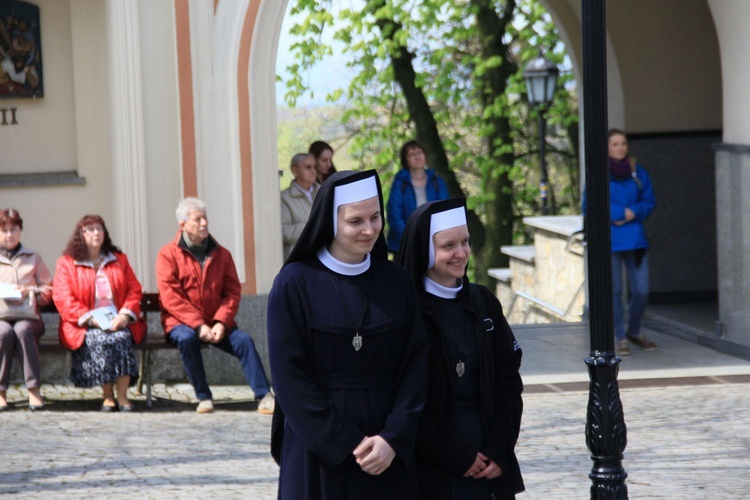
(499, 211)
(424, 121)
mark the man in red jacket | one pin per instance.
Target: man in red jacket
(200, 296)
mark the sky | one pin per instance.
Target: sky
(323, 78)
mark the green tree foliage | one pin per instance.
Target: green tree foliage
(449, 73)
(299, 127)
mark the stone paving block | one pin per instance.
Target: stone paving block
(683, 442)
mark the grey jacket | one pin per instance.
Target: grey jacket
(295, 210)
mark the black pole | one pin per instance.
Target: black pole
(606, 434)
(543, 181)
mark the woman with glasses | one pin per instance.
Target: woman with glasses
(98, 297)
(26, 285)
(414, 185)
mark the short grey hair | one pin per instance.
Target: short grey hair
(187, 205)
(299, 158)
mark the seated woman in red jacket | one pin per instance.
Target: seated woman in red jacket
(98, 298)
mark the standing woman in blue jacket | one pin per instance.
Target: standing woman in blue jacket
(414, 185)
(631, 201)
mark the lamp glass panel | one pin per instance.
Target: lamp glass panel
(536, 85)
(530, 89)
(551, 82)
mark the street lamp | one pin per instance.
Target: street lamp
(606, 433)
(541, 82)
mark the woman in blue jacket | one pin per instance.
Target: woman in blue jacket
(631, 201)
(414, 185)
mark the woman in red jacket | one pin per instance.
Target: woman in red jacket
(98, 298)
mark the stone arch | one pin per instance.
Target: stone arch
(665, 90)
(235, 42)
(261, 78)
(647, 95)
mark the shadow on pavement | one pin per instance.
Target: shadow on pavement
(160, 405)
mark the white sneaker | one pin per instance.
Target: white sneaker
(205, 406)
(267, 404)
(623, 349)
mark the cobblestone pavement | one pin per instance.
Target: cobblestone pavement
(684, 442)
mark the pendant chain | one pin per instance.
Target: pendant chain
(357, 339)
(460, 365)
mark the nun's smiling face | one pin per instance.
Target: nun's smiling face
(452, 253)
(358, 227)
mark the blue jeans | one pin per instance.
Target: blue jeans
(235, 342)
(638, 288)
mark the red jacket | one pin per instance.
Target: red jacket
(194, 296)
(74, 292)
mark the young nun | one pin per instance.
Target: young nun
(470, 424)
(348, 354)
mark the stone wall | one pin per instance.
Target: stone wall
(560, 274)
(682, 229)
(523, 277)
(551, 271)
(732, 184)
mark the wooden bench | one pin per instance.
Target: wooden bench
(154, 340)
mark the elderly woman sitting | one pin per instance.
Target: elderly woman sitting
(26, 285)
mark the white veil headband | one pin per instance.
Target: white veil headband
(353, 192)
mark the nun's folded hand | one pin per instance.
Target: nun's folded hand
(491, 471)
(478, 466)
(374, 455)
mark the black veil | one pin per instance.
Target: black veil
(414, 251)
(318, 232)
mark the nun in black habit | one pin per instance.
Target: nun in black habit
(348, 354)
(471, 421)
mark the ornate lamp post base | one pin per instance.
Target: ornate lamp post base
(606, 434)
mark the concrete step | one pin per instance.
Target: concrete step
(526, 253)
(501, 274)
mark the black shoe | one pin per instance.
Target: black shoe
(110, 409)
(37, 407)
(127, 409)
(4, 407)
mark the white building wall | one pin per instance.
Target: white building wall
(267, 205)
(731, 18)
(733, 177)
(45, 125)
(75, 106)
(161, 126)
(128, 156)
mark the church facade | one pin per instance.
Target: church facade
(148, 101)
